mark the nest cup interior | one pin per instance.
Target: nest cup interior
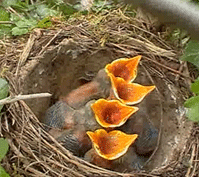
(66, 67)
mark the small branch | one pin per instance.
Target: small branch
(191, 160)
(32, 2)
(26, 52)
(182, 65)
(44, 48)
(23, 97)
(6, 22)
(13, 11)
(168, 68)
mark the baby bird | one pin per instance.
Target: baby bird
(130, 161)
(75, 140)
(59, 116)
(108, 146)
(140, 124)
(69, 126)
(92, 157)
(99, 87)
(147, 141)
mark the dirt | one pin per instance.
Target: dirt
(67, 65)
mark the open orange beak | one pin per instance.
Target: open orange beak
(112, 113)
(124, 68)
(111, 145)
(129, 93)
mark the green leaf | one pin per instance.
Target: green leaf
(16, 31)
(23, 25)
(192, 53)
(53, 2)
(100, 5)
(67, 9)
(3, 90)
(4, 15)
(192, 102)
(43, 11)
(5, 31)
(195, 86)
(18, 5)
(193, 113)
(14, 17)
(3, 148)
(44, 23)
(4, 28)
(26, 23)
(9, 2)
(3, 172)
(21, 6)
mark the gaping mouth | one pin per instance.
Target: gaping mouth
(111, 145)
(112, 113)
(129, 93)
(124, 68)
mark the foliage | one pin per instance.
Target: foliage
(3, 150)
(23, 25)
(24, 16)
(3, 172)
(179, 37)
(3, 143)
(192, 55)
(193, 108)
(100, 5)
(196, 1)
(3, 90)
(4, 16)
(44, 23)
(195, 86)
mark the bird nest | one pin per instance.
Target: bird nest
(61, 59)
